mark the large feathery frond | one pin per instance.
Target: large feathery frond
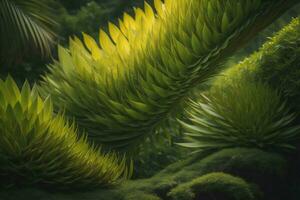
(123, 88)
(25, 24)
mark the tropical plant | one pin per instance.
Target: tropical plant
(122, 90)
(25, 24)
(39, 148)
(242, 114)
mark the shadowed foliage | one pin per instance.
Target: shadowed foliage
(25, 24)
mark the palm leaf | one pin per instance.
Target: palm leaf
(25, 24)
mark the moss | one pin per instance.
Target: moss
(141, 195)
(254, 165)
(277, 62)
(248, 163)
(214, 186)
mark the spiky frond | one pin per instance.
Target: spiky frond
(121, 90)
(39, 148)
(25, 24)
(243, 114)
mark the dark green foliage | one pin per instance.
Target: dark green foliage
(24, 25)
(89, 18)
(159, 151)
(77, 16)
(115, 5)
(155, 155)
(29, 69)
(214, 186)
(73, 4)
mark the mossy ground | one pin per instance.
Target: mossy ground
(254, 165)
(215, 185)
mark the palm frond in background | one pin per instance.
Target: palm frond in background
(25, 25)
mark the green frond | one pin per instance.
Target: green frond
(242, 114)
(37, 147)
(119, 90)
(25, 24)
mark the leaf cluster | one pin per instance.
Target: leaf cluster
(37, 147)
(244, 114)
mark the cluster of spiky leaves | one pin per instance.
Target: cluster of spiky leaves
(39, 148)
(121, 90)
(243, 114)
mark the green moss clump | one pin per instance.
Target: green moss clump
(252, 164)
(214, 186)
(141, 195)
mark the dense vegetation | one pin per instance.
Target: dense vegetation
(129, 84)
(153, 88)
